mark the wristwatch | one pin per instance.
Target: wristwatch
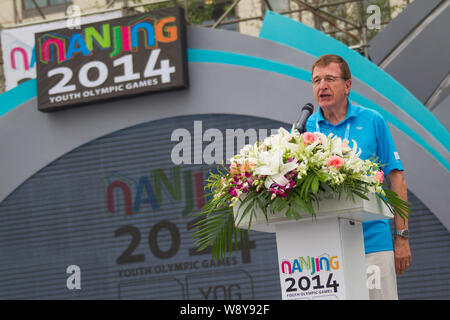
(404, 233)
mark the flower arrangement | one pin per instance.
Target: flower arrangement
(286, 171)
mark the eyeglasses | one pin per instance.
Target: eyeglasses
(329, 79)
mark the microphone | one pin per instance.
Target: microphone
(307, 110)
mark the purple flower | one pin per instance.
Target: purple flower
(233, 192)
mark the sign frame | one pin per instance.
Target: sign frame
(119, 58)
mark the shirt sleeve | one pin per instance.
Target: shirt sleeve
(386, 150)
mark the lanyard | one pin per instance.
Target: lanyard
(347, 129)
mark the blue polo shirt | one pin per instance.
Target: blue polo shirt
(371, 132)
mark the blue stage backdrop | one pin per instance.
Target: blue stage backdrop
(103, 187)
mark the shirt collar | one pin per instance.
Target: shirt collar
(350, 112)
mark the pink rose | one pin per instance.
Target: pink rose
(380, 176)
(335, 161)
(309, 137)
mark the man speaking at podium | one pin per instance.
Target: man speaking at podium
(332, 81)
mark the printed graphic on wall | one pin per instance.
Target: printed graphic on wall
(122, 214)
(116, 58)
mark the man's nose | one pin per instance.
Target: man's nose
(323, 84)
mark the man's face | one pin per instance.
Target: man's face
(332, 90)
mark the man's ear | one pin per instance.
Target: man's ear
(348, 85)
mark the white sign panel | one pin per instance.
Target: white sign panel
(310, 260)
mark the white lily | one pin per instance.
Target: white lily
(270, 164)
(336, 146)
(354, 153)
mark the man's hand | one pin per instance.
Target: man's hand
(402, 252)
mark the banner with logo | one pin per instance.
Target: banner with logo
(310, 259)
(19, 59)
(122, 57)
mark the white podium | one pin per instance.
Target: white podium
(321, 257)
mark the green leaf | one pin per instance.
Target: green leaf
(292, 213)
(263, 208)
(315, 185)
(289, 213)
(300, 204)
(245, 212)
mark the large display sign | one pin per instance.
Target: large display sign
(121, 57)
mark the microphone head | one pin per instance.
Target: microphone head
(309, 107)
